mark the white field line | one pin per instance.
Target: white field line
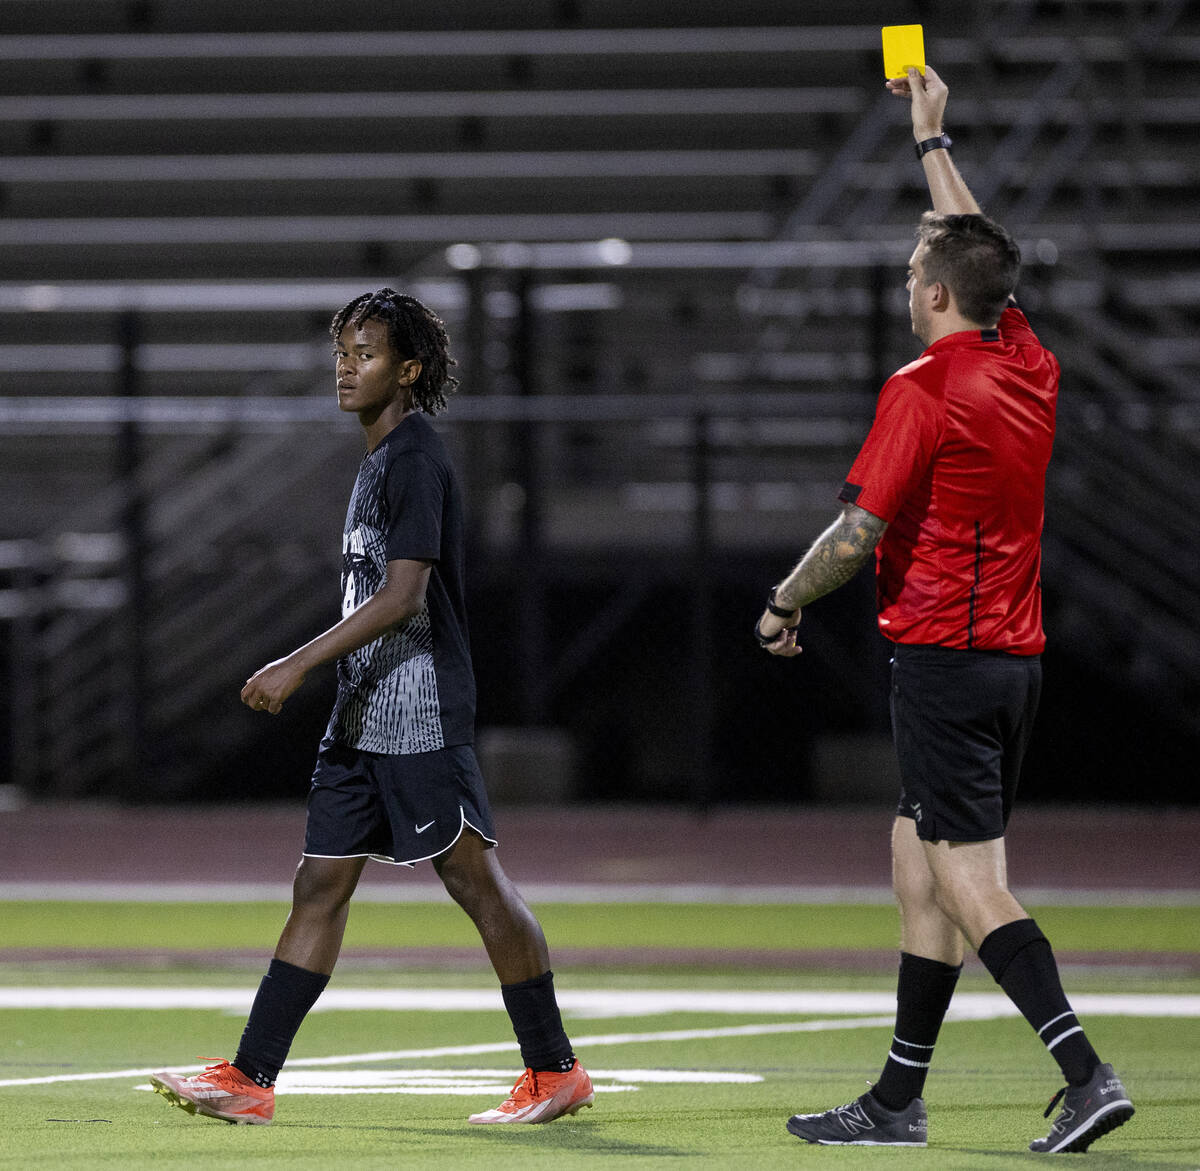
(579, 1003)
(582, 1043)
(472, 1082)
(432, 892)
(967, 1006)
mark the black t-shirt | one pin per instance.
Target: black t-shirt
(412, 689)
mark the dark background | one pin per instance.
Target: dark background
(650, 430)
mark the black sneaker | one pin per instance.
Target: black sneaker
(1088, 1111)
(864, 1123)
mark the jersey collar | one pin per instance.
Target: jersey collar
(964, 337)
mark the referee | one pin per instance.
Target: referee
(948, 491)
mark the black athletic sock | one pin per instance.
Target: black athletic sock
(533, 1011)
(284, 997)
(923, 993)
(1021, 961)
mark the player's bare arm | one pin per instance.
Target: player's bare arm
(928, 95)
(397, 600)
(834, 558)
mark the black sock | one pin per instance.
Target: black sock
(1021, 961)
(284, 997)
(923, 993)
(537, 1024)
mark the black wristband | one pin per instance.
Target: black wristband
(764, 640)
(778, 611)
(942, 142)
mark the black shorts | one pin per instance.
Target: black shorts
(401, 809)
(961, 721)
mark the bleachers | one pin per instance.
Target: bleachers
(172, 141)
(229, 173)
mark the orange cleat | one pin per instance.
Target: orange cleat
(221, 1091)
(542, 1097)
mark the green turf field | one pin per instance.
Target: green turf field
(619, 925)
(379, 1084)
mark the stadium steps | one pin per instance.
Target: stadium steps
(547, 121)
(214, 597)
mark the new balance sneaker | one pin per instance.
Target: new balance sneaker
(864, 1123)
(1088, 1112)
(221, 1091)
(542, 1097)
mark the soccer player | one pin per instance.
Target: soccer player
(950, 487)
(396, 777)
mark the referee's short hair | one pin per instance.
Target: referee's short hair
(975, 258)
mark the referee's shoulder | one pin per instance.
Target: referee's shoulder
(920, 375)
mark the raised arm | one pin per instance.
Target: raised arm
(928, 94)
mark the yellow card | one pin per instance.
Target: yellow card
(903, 45)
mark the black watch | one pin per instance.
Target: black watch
(778, 611)
(942, 142)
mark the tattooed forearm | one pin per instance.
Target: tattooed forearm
(835, 557)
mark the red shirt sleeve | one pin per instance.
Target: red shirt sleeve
(1014, 327)
(898, 449)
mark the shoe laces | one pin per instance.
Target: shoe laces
(525, 1086)
(851, 1104)
(225, 1073)
(1055, 1101)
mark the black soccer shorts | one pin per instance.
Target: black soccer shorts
(394, 808)
(961, 720)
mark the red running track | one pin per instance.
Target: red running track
(1060, 848)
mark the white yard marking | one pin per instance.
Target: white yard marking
(605, 1003)
(483, 1081)
(878, 1011)
(494, 1047)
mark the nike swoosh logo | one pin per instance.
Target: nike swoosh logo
(422, 828)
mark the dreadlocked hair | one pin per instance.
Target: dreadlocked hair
(414, 331)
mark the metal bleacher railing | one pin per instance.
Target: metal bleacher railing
(1127, 426)
(737, 280)
(274, 449)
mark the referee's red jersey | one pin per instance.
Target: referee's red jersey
(955, 462)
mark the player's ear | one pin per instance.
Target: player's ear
(939, 297)
(410, 371)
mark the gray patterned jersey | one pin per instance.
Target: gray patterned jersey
(412, 690)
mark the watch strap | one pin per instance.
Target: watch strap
(941, 142)
(778, 611)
